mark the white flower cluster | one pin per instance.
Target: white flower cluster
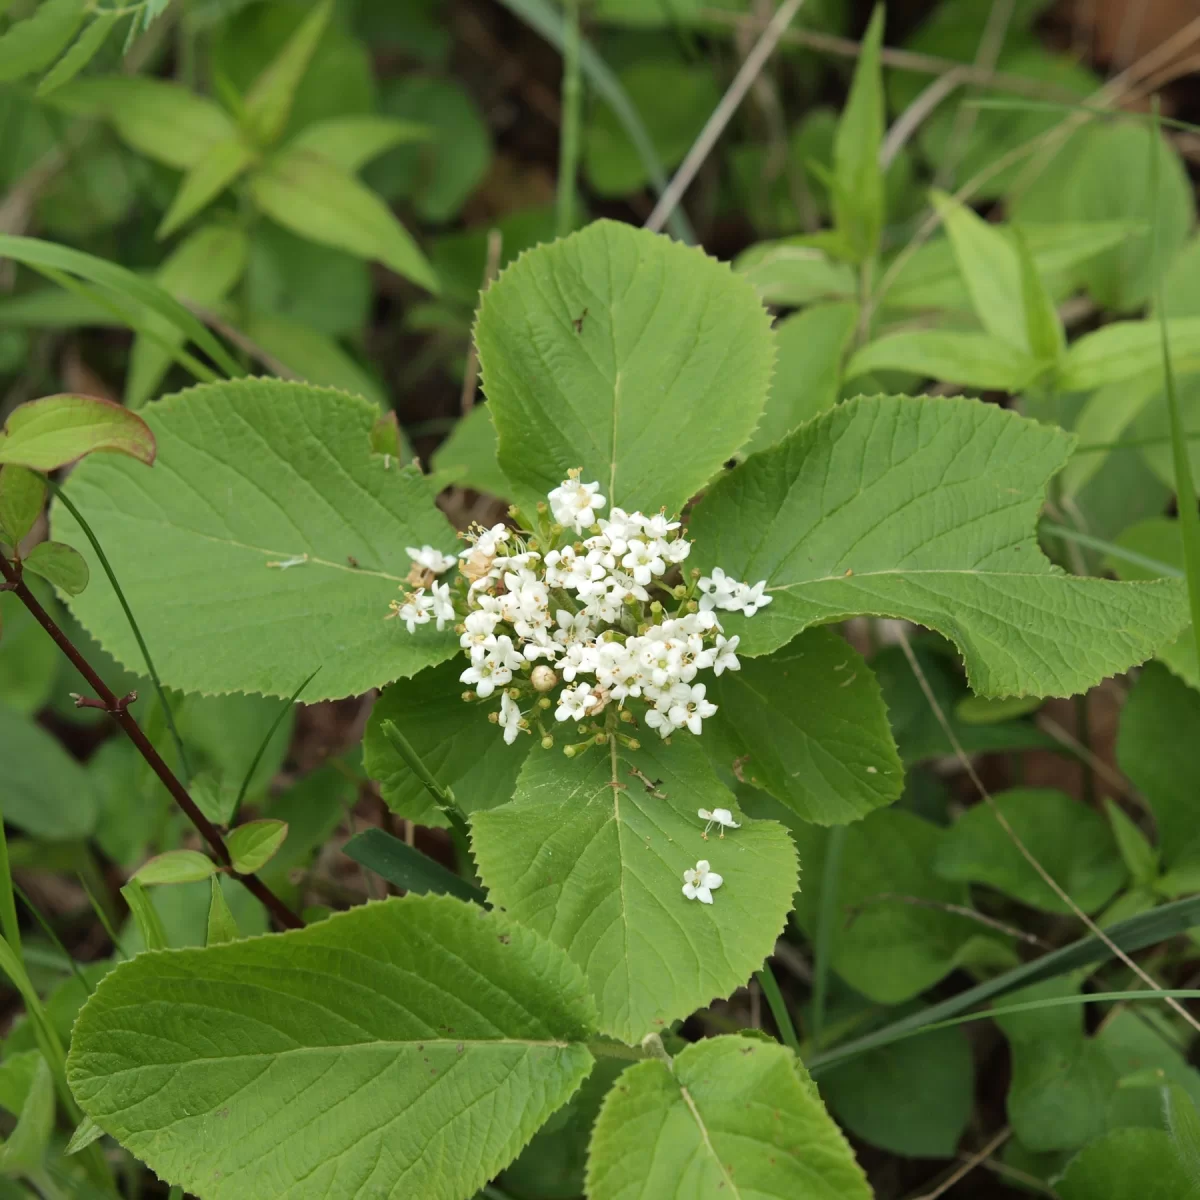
(592, 609)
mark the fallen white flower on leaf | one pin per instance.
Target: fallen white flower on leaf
(700, 882)
(718, 816)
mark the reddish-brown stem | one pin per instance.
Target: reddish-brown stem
(117, 707)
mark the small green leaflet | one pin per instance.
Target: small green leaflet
(923, 508)
(808, 724)
(410, 1047)
(621, 352)
(732, 1116)
(591, 854)
(267, 541)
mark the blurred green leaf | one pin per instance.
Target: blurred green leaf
(29, 660)
(1072, 842)
(252, 845)
(269, 101)
(1183, 1124)
(1127, 1164)
(85, 48)
(223, 164)
(312, 356)
(26, 1147)
(43, 790)
(789, 273)
(1140, 857)
(467, 457)
(976, 360)
(317, 200)
(61, 565)
(31, 45)
(222, 925)
(175, 866)
(352, 142)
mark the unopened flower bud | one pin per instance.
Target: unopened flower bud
(601, 739)
(494, 717)
(679, 591)
(543, 679)
(468, 696)
(569, 751)
(545, 702)
(547, 742)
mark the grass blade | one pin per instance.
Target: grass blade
(572, 115)
(779, 1008)
(407, 868)
(542, 16)
(826, 917)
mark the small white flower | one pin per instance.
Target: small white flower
(573, 703)
(725, 659)
(431, 558)
(487, 542)
(690, 707)
(416, 610)
(575, 504)
(716, 590)
(751, 599)
(719, 816)
(699, 883)
(510, 718)
(643, 561)
(657, 719)
(442, 605)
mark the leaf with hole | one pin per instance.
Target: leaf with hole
(852, 514)
(390, 1029)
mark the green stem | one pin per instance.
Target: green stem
(8, 905)
(572, 105)
(184, 769)
(1112, 550)
(443, 795)
(779, 1008)
(826, 915)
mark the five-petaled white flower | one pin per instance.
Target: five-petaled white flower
(719, 816)
(576, 504)
(431, 558)
(699, 883)
(575, 702)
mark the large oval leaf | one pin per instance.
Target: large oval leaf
(408, 1048)
(924, 509)
(633, 357)
(733, 1117)
(591, 854)
(266, 542)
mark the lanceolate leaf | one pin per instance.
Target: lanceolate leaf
(924, 509)
(34, 43)
(974, 359)
(637, 359)
(410, 1047)
(808, 725)
(733, 1116)
(1127, 350)
(591, 854)
(266, 541)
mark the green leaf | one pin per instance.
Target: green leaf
(1159, 725)
(456, 741)
(885, 946)
(31, 45)
(253, 845)
(469, 454)
(43, 791)
(165, 121)
(62, 566)
(975, 360)
(671, 349)
(1139, 856)
(27, 1144)
(1127, 1164)
(914, 1098)
(251, 475)
(1072, 841)
(49, 433)
(312, 197)
(222, 924)
(206, 179)
(1043, 328)
(86, 47)
(408, 868)
(808, 724)
(1127, 350)
(292, 1063)
(1183, 1123)
(436, 177)
(1144, 1052)
(312, 356)
(29, 660)
(202, 270)
(675, 100)
(86, 1132)
(269, 101)
(176, 866)
(789, 273)
(810, 347)
(1061, 1079)
(591, 856)
(979, 710)
(22, 494)
(145, 916)
(852, 514)
(730, 1116)
(352, 142)
(858, 193)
